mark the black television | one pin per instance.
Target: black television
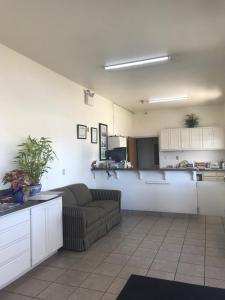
(117, 154)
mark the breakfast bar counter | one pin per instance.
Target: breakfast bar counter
(165, 190)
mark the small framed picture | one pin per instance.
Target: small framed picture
(103, 140)
(81, 131)
(94, 135)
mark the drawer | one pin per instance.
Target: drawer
(14, 233)
(13, 219)
(11, 253)
(210, 174)
(14, 269)
(208, 178)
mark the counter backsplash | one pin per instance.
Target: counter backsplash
(173, 158)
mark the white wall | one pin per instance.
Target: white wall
(150, 124)
(37, 101)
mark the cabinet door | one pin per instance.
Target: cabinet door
(218, 138)
(165, 139)
(186, 138)
(207, 138)
(38, 234)
(54, 225)
(175, 143)
(196, 138)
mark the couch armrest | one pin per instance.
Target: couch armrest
(98, 194)
(74, 221)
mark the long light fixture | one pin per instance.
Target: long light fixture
(168, 99)
(137, 63)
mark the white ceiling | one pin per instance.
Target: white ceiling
(76, 38)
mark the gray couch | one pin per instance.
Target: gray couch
(88, 214)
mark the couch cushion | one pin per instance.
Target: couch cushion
(107, 205)
(93, 214)
(81, 193)
(68, 198)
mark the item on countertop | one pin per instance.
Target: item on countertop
(214, 165)
(190, 165)
(33, 158)
(94, 164)
(6, 198)
(183, 164)
(20, 184)
(202, 165)
(191, 121)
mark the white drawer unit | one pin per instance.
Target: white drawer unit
(14, 219)
(14, 250)
(11, 234)
(14, 268)
(28, 237)
(14, 245)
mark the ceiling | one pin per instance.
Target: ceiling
(76, 38)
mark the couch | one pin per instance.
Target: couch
(88, 214)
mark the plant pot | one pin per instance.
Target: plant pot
(34, 189)
(19, 196)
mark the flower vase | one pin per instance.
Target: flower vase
(35, 189)
(19, 196)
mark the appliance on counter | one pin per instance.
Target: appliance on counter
(117, 154)
(117, 142)
(185, 164)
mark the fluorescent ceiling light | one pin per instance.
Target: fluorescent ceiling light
(137, 63)
(168, 99)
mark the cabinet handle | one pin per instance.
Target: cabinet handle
(157, 182)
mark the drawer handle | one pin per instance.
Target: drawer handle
(157, 182)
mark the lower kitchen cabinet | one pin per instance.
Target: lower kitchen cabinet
(46, 229)
(211, 200)
(27, 237)
(14, 245)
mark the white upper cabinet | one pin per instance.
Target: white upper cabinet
(213, 138)
(207, 138)
(185, 134)
(175, 141)
(200, 138)
(218, 138)
(165, 139)
(196, 138)
(170, 139)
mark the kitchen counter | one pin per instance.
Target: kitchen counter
(159, 169)
(32, 201)
(29, 234)
(175, 190)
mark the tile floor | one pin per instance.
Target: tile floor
(175, 247)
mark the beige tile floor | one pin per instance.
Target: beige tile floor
(175, 247)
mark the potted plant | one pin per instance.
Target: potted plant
(191, 120)
(33, 158)
(20, 184)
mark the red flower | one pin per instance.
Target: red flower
(17, 178)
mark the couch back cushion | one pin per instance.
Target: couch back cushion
(68, 197)
(81, 193)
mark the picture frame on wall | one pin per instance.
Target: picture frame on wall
(103, 140)
(94, 135)
(81, 132)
